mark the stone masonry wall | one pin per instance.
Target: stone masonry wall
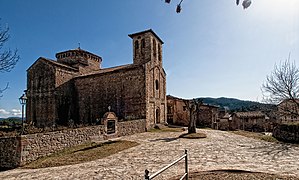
(131, 127)
(40, 89)
(43, 144)
(123, 90)
(9, 152)
(287, 133)
(16, 151)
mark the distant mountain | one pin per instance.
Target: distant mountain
(232, 104)
(11, 119)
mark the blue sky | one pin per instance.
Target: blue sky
(212, 48)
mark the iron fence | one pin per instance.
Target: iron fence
(185, 175)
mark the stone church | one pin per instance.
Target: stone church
(74, 88)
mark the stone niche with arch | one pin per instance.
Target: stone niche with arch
(110, 122)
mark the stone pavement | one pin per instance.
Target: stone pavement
(220, 150)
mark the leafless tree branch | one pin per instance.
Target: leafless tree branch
(283, 84)
(8, 58)
(2, 90)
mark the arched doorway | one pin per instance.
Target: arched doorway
(157, 115)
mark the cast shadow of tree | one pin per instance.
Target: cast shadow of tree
(164, 139)
(274, 151)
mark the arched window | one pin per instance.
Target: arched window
(154, 47)
(136, 48)
(159, 52)
(157, 84)
(136, 44)
(142, 43)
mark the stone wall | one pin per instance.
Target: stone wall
(287, 133)
(17, 151)
(9, 152)
(43, 144)
(177, 112)
(131, 127)
(206, 116)
(40, 92)
(122, 89)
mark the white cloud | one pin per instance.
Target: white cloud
(14, 112)
(4, 112)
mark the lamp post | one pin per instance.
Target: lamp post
(23, 101)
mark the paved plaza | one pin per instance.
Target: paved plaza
(220, 150)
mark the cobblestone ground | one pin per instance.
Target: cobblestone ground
(220, 150)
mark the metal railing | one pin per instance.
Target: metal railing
(185, 156)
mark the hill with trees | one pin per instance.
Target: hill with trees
(233, 105)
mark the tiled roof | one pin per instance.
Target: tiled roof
(288, 101)
(226, 116)
(177, 98)
(59, 64)
(209, 105)
(250, 114)
(79, 50)
(55, 63)
(142, 32)
(107, 70)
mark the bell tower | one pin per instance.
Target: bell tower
(147, 51)
(147, 46)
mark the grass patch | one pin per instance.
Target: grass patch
(197, 135)
(255, 135)
(81, 153)
(167, 129)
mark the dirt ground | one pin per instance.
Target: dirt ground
(235, 175)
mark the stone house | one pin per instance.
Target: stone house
(288, 111)
(207, 116)
(177, 111)
(74, 88)
(224, 122)
(249, 121)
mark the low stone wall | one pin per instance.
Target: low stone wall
(17, 151)
(43, 144)
(10, 149)
(287, 133)
(131, 127)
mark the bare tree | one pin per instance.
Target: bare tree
(193, 107)
(283, 84)
(2, 90)
(8, 58)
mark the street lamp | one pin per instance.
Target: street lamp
(23, 101)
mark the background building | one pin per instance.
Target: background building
(179, 114)
(288, 111)
(177, 111)
(249, 121)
